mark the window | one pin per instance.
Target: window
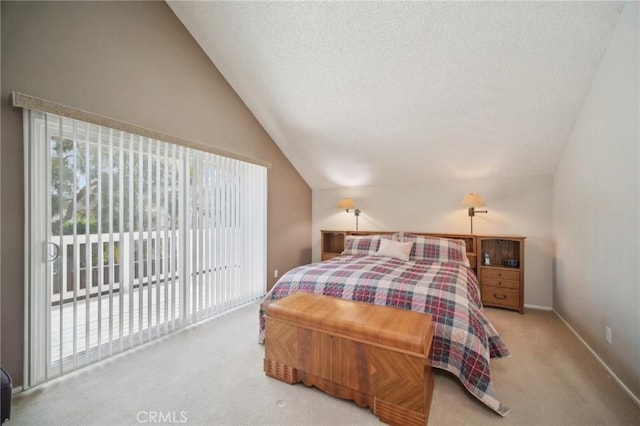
(134, 237)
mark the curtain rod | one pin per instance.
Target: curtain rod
(21, 100)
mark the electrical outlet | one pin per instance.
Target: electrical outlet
(607, 334)
(275, 273)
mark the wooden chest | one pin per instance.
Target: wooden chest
(374, 355)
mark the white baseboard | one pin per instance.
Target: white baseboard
(538, 307)
(624, 387)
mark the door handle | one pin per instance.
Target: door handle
(52, 251)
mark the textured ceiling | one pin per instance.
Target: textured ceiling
(378, 93)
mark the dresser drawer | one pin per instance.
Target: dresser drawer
(506, 274)
(500, 296)
(501, 278)
(499, 282)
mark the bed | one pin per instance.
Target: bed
(419, 273)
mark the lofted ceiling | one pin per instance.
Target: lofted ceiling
(380, 93)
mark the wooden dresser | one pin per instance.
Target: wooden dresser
(502, 279)
(374, 355)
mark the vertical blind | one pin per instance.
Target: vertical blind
(143, 237)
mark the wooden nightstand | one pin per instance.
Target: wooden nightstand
(502, 280)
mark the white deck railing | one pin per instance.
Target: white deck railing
(126, 261)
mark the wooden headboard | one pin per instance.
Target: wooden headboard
(332, 242)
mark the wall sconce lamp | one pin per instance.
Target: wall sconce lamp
(347, 204)
(472, 201)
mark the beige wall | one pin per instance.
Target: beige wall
(517, 206)
(134, 62)
(597, 211)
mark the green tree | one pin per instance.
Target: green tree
(85, 169)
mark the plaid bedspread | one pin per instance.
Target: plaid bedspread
(463, 341)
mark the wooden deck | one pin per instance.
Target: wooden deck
(105, 321)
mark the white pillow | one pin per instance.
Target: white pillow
(395, 249)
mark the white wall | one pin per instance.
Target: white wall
(517, 206)
(597, 209)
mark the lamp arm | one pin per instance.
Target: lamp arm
(473, 211)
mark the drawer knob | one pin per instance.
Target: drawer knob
(499, 296)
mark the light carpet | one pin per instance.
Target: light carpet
(212, 374)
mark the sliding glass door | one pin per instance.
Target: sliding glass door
(131, 238)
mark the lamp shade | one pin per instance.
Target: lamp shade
(472, 200)
(347, 204)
